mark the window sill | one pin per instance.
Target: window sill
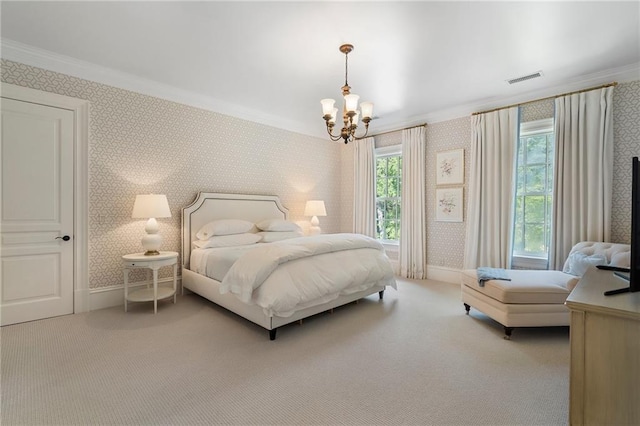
(529, 262)
(390, 245)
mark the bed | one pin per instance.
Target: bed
(249, 302)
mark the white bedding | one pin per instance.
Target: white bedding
(286, 276)
(215, 262)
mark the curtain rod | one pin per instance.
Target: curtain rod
(397, 130)
(615, 83)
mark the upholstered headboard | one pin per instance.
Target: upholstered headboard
(210, 206)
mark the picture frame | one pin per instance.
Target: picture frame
(450, 167)
(449, 204)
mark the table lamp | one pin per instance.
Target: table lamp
(315, 208)
(151, 206)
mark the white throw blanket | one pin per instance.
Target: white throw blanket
(333, 264)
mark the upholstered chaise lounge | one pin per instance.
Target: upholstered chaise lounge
(535, 298)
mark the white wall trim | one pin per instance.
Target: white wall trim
(444, 274)
(622, 74)
(80, 109)
(29, 55)
(107, 297)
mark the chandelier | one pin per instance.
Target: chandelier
(350, 113)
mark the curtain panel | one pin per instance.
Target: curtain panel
(583, 171)
(364, 207)
(413, 224)
(491, 189)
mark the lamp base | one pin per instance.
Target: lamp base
(151, 243)
(315, 230)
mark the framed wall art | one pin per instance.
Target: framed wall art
(450, 167)
(449, 206)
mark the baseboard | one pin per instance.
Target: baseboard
(108, 297)
(80, 300)
(444, 274)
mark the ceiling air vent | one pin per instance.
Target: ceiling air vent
(525, 77)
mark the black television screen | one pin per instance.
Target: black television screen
(634, 264)
(634, 261)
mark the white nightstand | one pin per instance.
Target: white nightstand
(139, 260)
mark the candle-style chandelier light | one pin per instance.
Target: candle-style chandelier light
(350, 113)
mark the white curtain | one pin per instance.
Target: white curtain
(583, 171)
(364, 208)
(413, 229)
(491, 189)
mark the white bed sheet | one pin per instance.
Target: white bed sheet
(301, 283)
(216, 262)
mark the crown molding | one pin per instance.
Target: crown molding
(622, 74)
(40, 58)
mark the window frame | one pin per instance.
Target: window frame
(383, 152)
(530, 128)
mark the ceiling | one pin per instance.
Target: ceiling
(271, 62)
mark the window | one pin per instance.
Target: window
(388, 190)
(533, 196)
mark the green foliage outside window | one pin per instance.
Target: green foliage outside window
(388, 190)
(534, 188)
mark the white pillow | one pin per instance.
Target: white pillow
(278, 225)
(224, 227)
(228, 240)
(580, 262)
(271, 236)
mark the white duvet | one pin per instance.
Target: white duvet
(286, 276)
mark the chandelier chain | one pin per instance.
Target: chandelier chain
(346, 69)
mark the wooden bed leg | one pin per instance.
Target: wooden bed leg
(272, 334)
(300, 321)
(381, 294)
(507, 333)
(467, 308)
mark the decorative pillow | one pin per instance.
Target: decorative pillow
(580, 262)
(271, 236)
(224, 227)
(278, 225)
(228, 240)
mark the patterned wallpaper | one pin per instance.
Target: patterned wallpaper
(140, 144)
(626, 134)
(445, 240)
(536, 110)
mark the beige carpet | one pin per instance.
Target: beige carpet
(414, 358)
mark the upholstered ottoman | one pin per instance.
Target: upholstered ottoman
(535, 298)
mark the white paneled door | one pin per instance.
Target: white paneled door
(36, 212)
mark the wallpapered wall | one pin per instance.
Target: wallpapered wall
(140, 144)
(446, 240)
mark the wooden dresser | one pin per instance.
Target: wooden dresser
(605, 352)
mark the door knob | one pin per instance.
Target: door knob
(65, 238)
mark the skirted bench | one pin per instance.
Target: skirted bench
(535, 298)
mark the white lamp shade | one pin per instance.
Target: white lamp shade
(356, 118)
(367, 109)
(327, 106)
(150, 205)
(315, 208)
(351, 102)
(334, 114)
